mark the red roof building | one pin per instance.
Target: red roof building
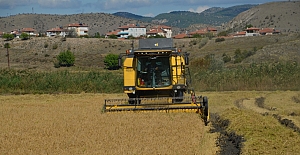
(80, 29)
(112, 33)
(29, 31)
(204, 31)
(181, 36)
(240, 34)
(268, 31)
(162, 30)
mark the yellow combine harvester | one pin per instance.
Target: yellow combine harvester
(157, 77)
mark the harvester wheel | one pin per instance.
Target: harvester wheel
(205, 111)
(179, 96)
(131, 101)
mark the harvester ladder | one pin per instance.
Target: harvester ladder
(187, 75)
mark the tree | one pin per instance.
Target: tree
(24, 36)
(7, 46)
(111, 61)
(8, 36)
(248, 26)
(97, 35)
(65, 58)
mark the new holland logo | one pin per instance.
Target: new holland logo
(156, 44)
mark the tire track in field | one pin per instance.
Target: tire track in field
(228, 141)
(258, 105)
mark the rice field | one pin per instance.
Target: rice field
(74, 124)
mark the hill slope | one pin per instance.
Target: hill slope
(183, 19)
(283, 16)
(97, 22)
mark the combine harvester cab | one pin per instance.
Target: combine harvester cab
(157, 78)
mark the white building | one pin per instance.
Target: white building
(161, 30)
(79, 28)
(56, 32)
(132, 30)
(252, 31)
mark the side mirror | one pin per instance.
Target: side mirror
(120, 61)
(186, 58)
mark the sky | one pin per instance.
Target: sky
(148, 8)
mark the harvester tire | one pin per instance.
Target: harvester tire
(205, 104)
(205, 112)
(179, 96)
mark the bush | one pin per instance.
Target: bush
(240, 56)
(8, 36)
(24, 36)
(65, 58)
(223, 33)
(111, 61)
(46, 45)
(55, 46)
(220, 39)
(226, 58)
(113, 36)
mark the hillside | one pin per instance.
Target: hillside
(40, 53)
(283, 16)
(183, 19)
(280, 15)
(97, 22)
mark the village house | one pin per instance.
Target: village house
(256, 32)
(201, 32)
(252, 31)
(80, 29)
(161, 30)
(115, 33)
(180, 36)
(268, 31)
(56, 32)
(205, 31)
(29, 31)
(240, 34)
(133, 30)
(16, 33)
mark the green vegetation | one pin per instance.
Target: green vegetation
(240, 56)
(213, 76)
(24, 36)
(65, 59)
(219, 39)
(226, 58)
(111, 61)
(113, 36)
(55, 46)
(223, 33)
(8, 36)
(33, 82)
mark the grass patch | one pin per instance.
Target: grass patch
(272, 76)
(33, 82)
